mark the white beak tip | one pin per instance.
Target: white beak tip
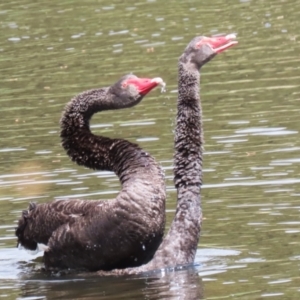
(160, 82)
(231, 36)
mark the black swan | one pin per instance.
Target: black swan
(180, 244)
(102, 235)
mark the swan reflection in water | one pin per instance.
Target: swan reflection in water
(183, 284)
(23, 275)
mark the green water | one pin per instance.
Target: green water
(52, 50)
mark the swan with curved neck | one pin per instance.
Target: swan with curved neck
(102, 235)
(180, 243)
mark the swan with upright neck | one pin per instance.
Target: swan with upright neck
(180, 243)
(102, 235)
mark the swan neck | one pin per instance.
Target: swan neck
(180, 244)
(189, 132)
(186, 226)
(126, 159)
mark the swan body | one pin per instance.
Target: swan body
(102, 235)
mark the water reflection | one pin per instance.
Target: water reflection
(22, 272)
(186, 285)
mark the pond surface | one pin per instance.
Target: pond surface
(52, 50)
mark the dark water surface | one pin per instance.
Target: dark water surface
(52, 50)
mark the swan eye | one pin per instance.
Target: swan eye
(199, 44)
(203, 41)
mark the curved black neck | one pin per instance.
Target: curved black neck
(98, 152)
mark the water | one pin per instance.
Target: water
(50, 51)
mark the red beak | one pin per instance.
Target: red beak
(220, 43)
(145, 85)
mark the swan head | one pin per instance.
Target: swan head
(130, 89)
(202, 49)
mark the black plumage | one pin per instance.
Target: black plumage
(102, 235)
